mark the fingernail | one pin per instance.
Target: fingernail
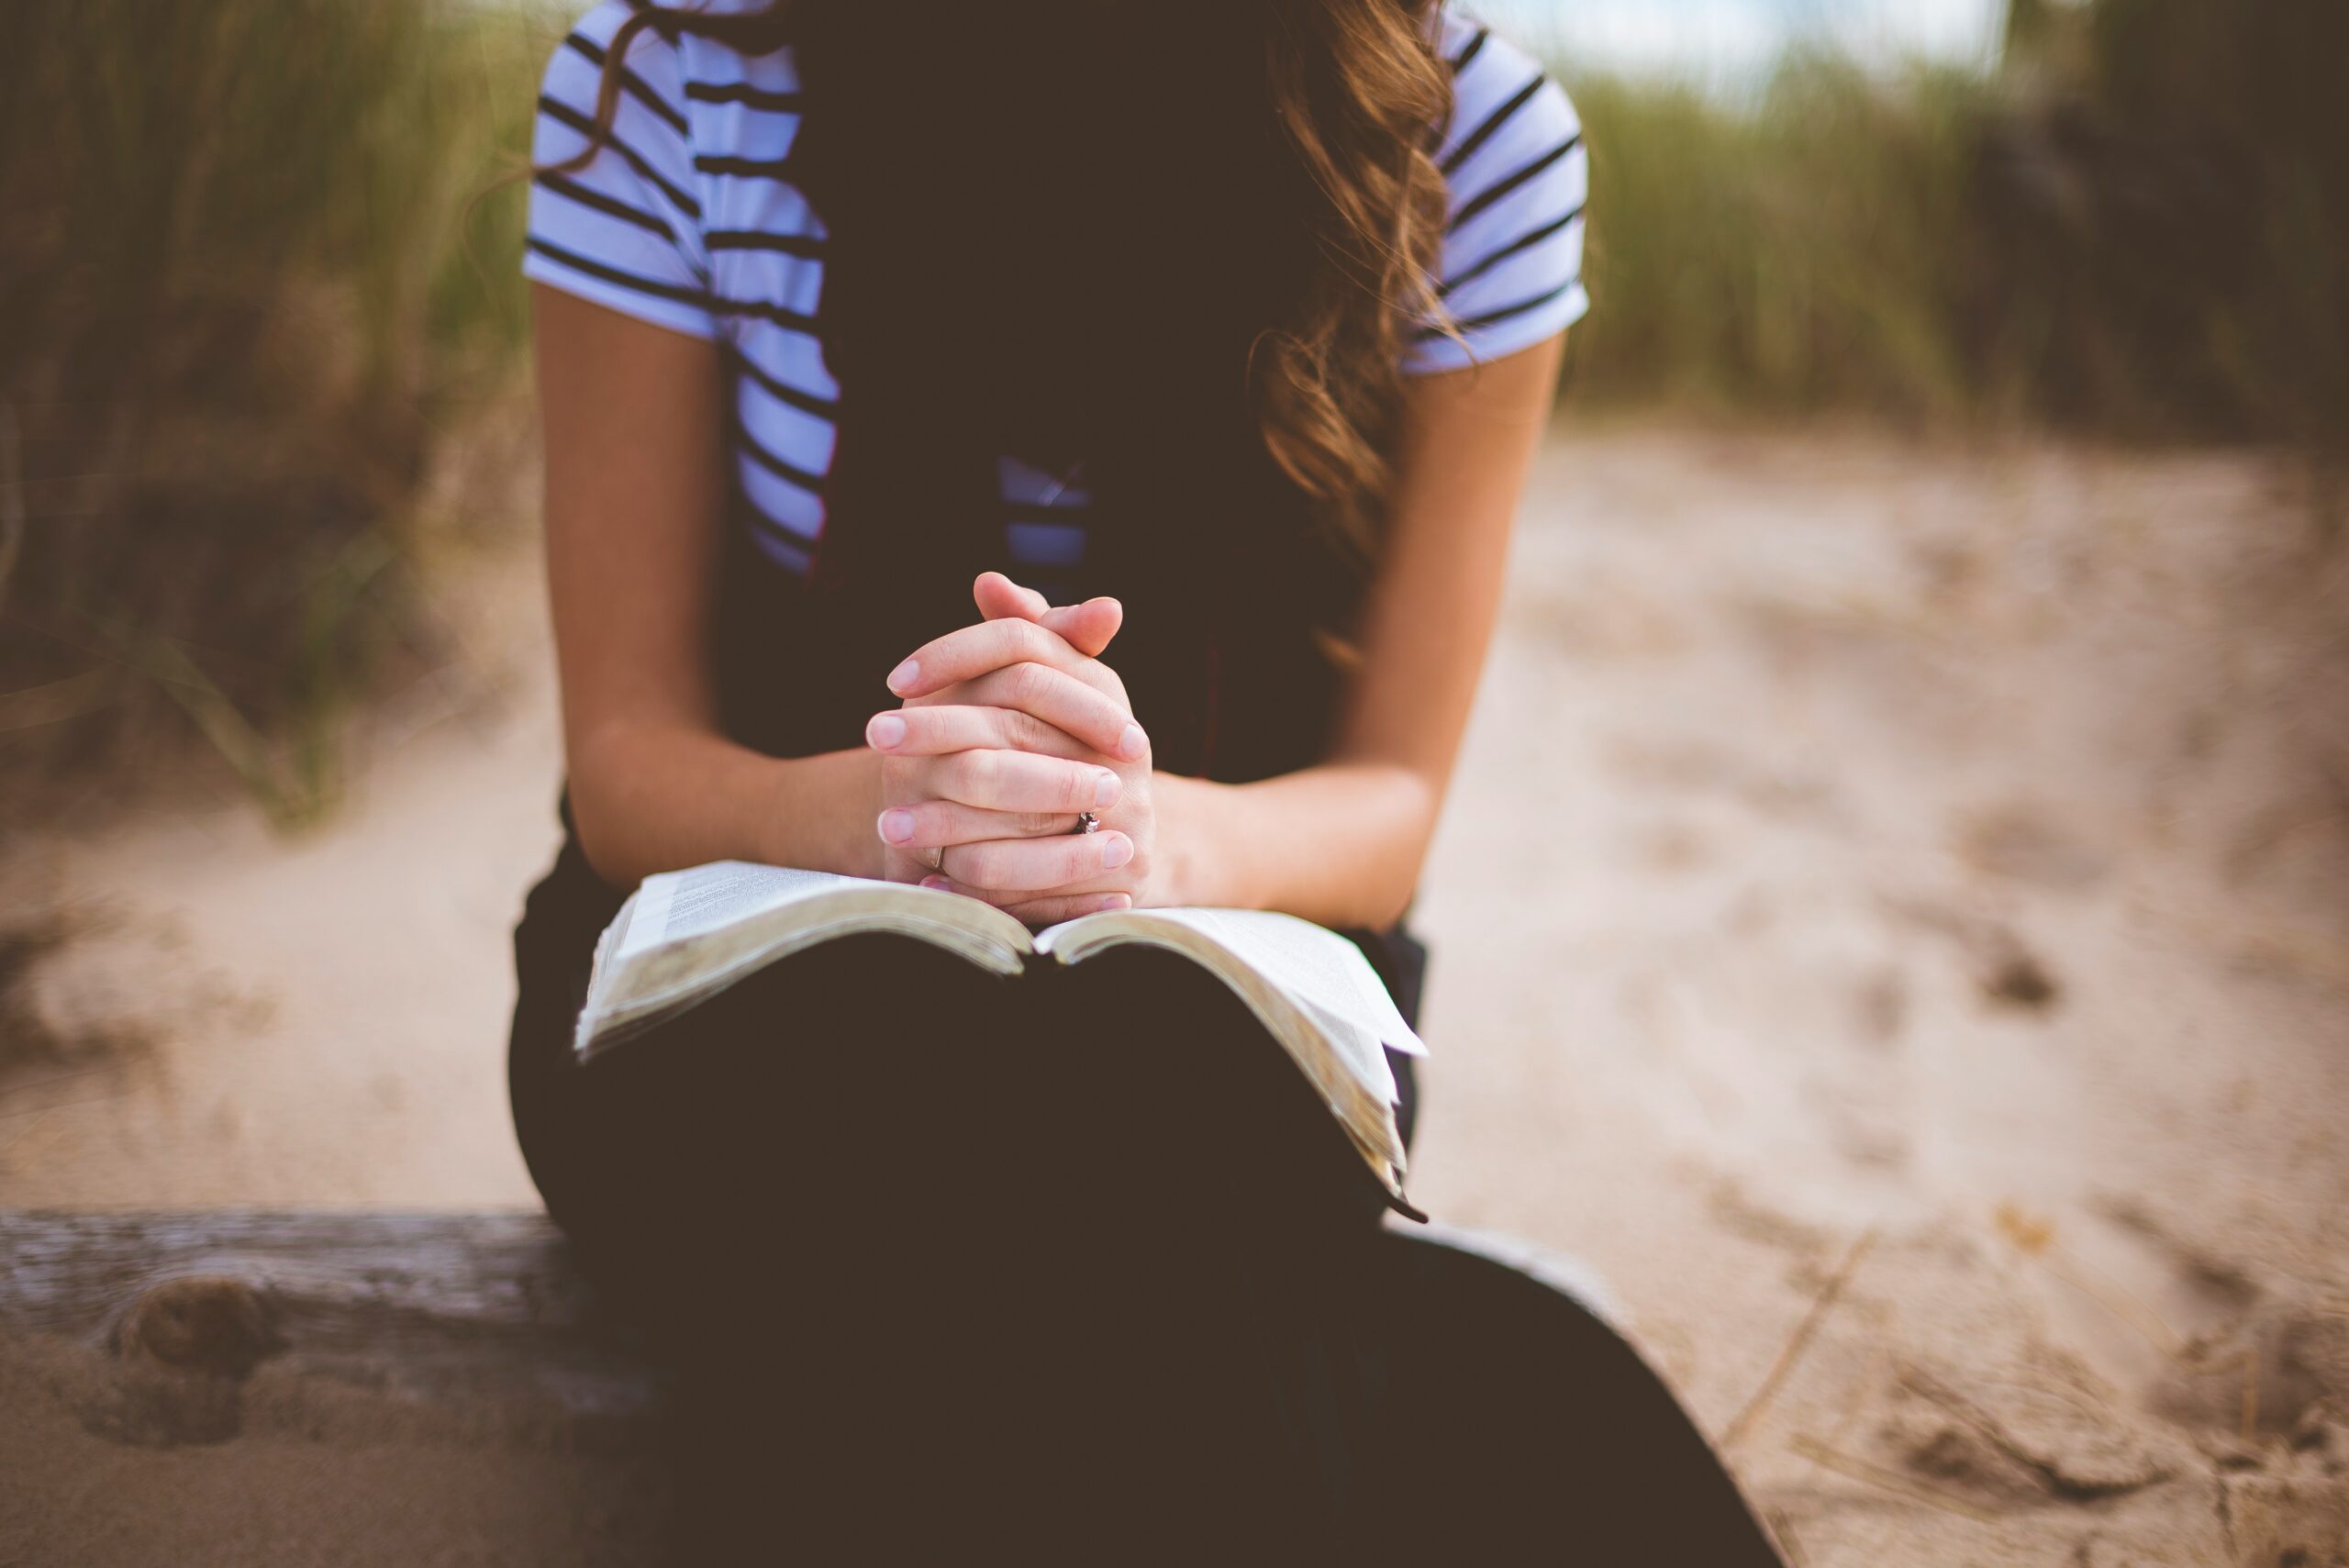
(1107, 790)
(1112, 904)
(1117, 851)
(886, 730)
(938, 885)
(896, 825)
(903, 675)
(1132, 743)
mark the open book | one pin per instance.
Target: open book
(685, 936)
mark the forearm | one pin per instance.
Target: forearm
(651, 799)
(1340, 844)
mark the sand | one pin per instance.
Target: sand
(1892, 924)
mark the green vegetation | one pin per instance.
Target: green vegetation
(252, 295)
(2140, 228)
(242, 301)
(1790, 257)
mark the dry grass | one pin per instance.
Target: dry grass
(2138, 227)
(245, 301)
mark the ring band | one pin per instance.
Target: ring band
(1087, 823)
(938, 860)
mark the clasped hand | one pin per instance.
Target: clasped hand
(1010, 729)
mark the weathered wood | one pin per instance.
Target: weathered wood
(441, 1308)
(216, 1389)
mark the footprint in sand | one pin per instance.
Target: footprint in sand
(2007, 969)
(2023, 843)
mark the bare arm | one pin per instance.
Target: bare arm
(635, 500)
(1342, 843)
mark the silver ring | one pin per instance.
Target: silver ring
(1087, 823)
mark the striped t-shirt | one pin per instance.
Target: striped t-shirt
(687, 219)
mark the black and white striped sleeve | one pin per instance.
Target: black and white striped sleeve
(1511, 270)
(623, 229)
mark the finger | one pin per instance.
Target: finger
(999, 598)
(1118, 881)
(1049, 711)
(924, 824)
(1052, 911)
(1037, 703)
(1040, 865)
(933, 731)
(1098, 718)
(1016, 781)
(970, 652)
(1088, 627)
(1028, 707)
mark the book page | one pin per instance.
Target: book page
(674, 905)
(1320, 970)
(684, 936)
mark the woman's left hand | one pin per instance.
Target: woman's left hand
(1004, 662)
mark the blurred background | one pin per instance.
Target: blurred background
(1927, 995)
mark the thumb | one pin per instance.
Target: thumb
(1000, 598)
(1088, 627)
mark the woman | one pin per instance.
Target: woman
(879, 347)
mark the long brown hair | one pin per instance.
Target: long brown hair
(1186, 244)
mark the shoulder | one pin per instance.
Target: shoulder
(683, 68)
(1517, 175)
(708, 90)
(1505, 109)
(579, 60)
(615, 213)
(651, 112)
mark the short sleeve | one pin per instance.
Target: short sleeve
(623, 228)
(1509, 271)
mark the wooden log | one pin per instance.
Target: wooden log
(438, 1307)
(218, 1389)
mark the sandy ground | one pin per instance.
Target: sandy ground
(1893, 923)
